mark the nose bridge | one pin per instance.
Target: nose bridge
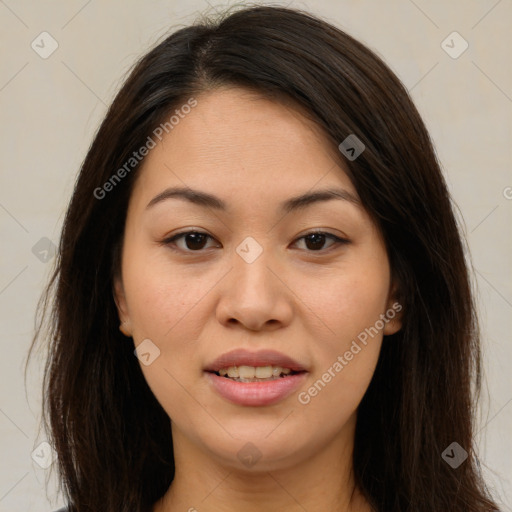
(250, 265)
(253, 296)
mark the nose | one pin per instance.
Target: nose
(255, 296)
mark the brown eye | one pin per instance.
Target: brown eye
(189, 241)
(195, 241)
(315, 242)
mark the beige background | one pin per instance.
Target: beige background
(51, 108)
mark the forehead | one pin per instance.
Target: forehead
(238, 142)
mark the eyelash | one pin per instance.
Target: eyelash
(171, 241)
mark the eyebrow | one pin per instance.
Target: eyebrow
(207, 200)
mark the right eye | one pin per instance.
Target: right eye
(188, 241)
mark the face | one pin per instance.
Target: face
(292, 292)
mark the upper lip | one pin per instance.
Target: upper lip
(242, 357)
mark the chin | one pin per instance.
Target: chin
(258, 446)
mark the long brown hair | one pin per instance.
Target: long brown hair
(112, 437)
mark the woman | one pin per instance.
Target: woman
(261, 298)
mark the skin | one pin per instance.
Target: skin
(308, 304)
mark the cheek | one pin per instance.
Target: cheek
(166, 308)
(160, 296)
(347, 355)
(350, 303)
(350, 299)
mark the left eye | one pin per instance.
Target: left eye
(315, 241)
(195, 241)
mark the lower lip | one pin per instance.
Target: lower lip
(254, 394)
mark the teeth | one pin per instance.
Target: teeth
(265, 372)
(233, 372)
(246, 372)
(253, 373)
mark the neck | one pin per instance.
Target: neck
(324, 481)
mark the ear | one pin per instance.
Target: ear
(122, 308)
(394, 311)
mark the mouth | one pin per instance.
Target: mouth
(255, 378)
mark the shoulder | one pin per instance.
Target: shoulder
(63, 509)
